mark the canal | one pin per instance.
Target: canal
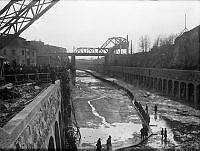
(103, 111)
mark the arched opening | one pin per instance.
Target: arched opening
(164, 86)
(126, 77)
(145, 81)
(198, 95)
(130, 77)
(191, 92)
(141, 80)
(51, 144)
(137, 79)
(160, 85)
(155, 83)
(183, 90)
(170, 87)
(151, 83)
(57, 136)
(148, 82)
(176, 88)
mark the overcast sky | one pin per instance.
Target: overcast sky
(91, 23)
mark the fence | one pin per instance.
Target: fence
(17, 78)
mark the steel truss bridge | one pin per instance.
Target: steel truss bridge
(18, 15)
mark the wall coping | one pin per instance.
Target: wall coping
(10, 132)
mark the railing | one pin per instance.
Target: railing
(187, 75)
(44, 77)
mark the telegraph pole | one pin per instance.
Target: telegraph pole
(127, 45)
(185, 29)
(199, 50)
(131, 48)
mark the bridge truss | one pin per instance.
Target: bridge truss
(112, 44)
(18, 15)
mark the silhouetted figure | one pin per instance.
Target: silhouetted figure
(142, 133)
(155, 109)
(165, 134)
(146, 131)
(98, 145)
(155, 117)
(53, 76)
(146, 108)
(162, 133)
(109, 144)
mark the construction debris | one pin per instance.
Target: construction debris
(13, 99)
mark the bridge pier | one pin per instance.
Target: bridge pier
(73, 69)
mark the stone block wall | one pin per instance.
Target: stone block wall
(181, 84)
(37, 125)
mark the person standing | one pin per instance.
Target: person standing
(98, 145)
(142, 133)
(109, 144)
(162, 133)
(155, 109)
(146, 108)
(165, 134)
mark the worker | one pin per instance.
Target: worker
(146, 108)
(165, 134)
(109, 144)
(98, 145)
(155, 109)
(162, 133)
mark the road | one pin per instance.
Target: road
(102, 110)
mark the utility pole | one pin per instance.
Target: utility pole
(199, 50)
(127, 45)
(185, 29)
(131, 48)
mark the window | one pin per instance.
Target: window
(13, 52)
(4, 51)
(28, 53)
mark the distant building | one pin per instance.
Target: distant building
(186, 51)
(25, 52)
(45, 54)
(19, 51)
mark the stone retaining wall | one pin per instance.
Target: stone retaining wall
(37, 124)
(182, 84)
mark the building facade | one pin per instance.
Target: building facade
(19, 51)
(24, 52)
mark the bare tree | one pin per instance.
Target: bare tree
(162, 40)
(157, 41)
(144, 43)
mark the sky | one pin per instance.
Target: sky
(90, 23)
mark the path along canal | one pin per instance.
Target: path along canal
(102, 110)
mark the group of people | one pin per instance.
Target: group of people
(144, 132)
(10, 69)
(144, 113)
(164, 134)
(108, 144)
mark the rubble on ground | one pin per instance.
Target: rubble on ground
(13, 98)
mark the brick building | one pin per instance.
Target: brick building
(19, 51)
(32, 53)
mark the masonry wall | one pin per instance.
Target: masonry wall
(38, 125)
(181, 84)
